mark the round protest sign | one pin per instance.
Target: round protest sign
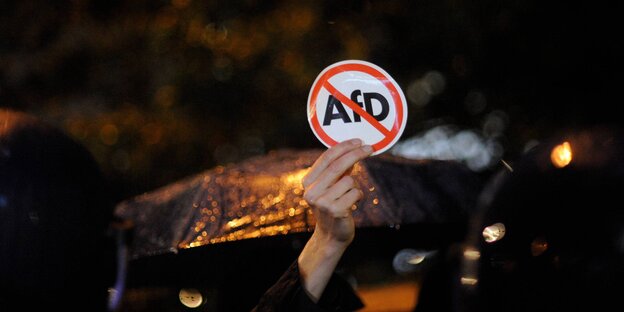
(357, 99)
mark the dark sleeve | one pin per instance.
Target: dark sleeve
(287, 294)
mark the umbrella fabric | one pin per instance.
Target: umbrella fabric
(263, 196)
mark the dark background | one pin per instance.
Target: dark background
(159, 90)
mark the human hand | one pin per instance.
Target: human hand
(331, 192)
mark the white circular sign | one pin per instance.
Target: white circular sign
(357, 99)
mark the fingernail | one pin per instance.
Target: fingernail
(368, 148)
(356, 142)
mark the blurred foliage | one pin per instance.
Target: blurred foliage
(158, 90)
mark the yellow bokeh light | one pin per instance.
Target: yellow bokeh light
(472, 254)
(294, 178)
(494, 232)
(561, 155)
(190, 297)
(470, 281)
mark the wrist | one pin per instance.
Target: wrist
(328, 245)
(318, 261)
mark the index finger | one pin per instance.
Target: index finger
(328, 157)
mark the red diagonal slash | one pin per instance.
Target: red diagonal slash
(356, 108)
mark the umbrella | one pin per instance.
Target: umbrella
(263, 197)
(230, 231)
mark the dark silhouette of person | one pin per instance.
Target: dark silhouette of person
(55, 213)
(550, 235)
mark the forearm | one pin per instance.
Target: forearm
(317, 263)
(331, 191)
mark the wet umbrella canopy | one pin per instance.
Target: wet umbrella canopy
(263, 197)
(229, 232)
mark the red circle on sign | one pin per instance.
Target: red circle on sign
(322, 81)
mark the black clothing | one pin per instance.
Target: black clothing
(287, 294)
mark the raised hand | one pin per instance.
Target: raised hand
(331, 191)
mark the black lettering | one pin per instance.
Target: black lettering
(385, 108)
(354, 98)
(329, 112)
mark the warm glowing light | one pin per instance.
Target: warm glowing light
(262, 181)
(262, 201)
(191, 297)
(295, 178)
(561, 155)
(469, 281)
(408, 260)
(416, 259)
(538, 246)
(472, 254)
(239, 222)
(494, 232)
